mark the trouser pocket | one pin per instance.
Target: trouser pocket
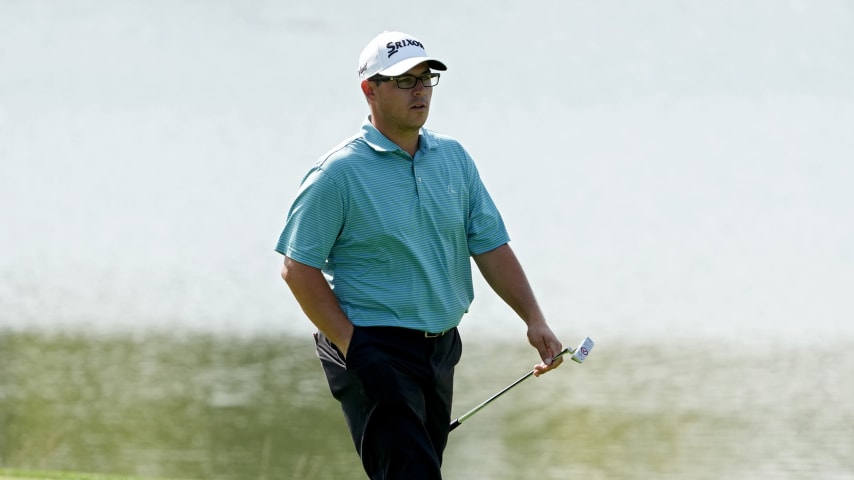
(371, 369)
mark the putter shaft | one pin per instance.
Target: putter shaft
(456, 423)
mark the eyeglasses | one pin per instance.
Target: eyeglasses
(407, 82)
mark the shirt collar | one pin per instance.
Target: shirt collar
(381, 143)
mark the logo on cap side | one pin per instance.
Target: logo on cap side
(394, 47)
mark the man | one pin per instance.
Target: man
(377, 248)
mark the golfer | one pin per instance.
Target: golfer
(377, 247)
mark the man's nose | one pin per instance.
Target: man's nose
(419, 88)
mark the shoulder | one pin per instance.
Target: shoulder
(441, 140)
(445, 146)
(354, 146)
(341, 159)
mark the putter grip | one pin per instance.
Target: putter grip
(454, 424)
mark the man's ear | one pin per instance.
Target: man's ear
(367, 89)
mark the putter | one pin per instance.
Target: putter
(579, 354)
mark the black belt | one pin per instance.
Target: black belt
(408, 332)
(436, 334)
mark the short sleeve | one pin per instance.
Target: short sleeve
(486, 230)
(314, 220)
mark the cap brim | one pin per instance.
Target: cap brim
(404, 66)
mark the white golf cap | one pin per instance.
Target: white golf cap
(394, 53)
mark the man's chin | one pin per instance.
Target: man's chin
(418, 117)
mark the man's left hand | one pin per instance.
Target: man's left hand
(547, 344)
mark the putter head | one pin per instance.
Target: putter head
(580, 353)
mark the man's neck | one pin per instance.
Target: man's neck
(408, 145)
(407, 139)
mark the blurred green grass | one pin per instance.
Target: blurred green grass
(236, 408)
(11, 474)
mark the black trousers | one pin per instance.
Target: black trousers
(395, 388)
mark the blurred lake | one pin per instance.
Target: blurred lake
(226, 408)
(677, 179)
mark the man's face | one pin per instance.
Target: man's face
(402, 109)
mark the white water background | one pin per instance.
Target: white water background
(675, 169)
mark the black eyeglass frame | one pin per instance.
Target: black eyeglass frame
(429, 80)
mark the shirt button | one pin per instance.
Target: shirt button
(419, 179)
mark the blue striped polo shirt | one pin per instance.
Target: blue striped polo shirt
(394, 234)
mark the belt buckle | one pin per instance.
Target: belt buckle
(434, 335)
